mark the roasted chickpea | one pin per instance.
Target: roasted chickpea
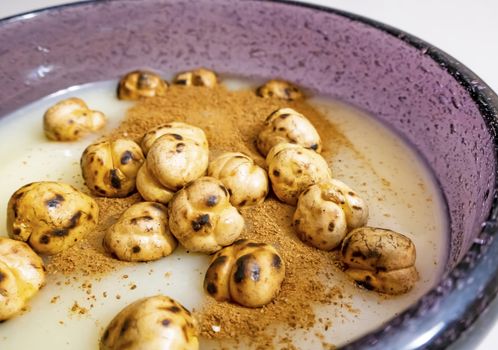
(150, 189)
(279, 89)
(246, 182)
(197, 77)
(202, 218)
(21, 276)
(110, 167)
(50, 216)
(175, 160)
(326, 212)
(70, 120)
(140, 84)
(247, 272)
(157, 322)
(178, 130)
(285, 125)
(380, 260)
(293, 168)
(141, 234)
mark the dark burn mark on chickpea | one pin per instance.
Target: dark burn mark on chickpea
(240, 157)
(157, 206)
(54, 202)
(331, 226)
(281, 129)
(380, 269)
(73, 222)
(44, 239)
(359, 254)
(180, 147)
(2, 277)
(17, 231)
(174, 309)
(211, 288)
(61, 232)
(314, 146)
(222, 259)
(365, 284)
(143, 81)
(285, 115)
(276, 262)
(125, 326)
(115, 181)
(212, 201)
(165, 322)
(136, 249)
(134, 221)
(126, 157)
(276, 173)
(181, 82)
(176, 136)
(243, 203)
(297, 222)
(200, 222)
(352, 194)
(355, 207)
(246, 268)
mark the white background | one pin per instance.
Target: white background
(467, 30)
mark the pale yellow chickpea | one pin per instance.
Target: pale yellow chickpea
(50, 216)
(71, 119)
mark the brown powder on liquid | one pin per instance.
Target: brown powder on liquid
(231, 121)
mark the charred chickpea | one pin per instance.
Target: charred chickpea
(279, 89)
(380, 260)
(70, 120)
(293, 168)
(197, 77)
(50, 216)
(152, 323)
(286, 125)
(202, 218)
(175, 160)
(110, 167)
(246, 182)
(247, 272)
(141, 234)
(140, 84)
(22, 274)
(326, 212)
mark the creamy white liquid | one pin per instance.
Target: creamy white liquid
(410, 204)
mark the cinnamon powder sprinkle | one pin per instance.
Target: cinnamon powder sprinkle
(231, 121)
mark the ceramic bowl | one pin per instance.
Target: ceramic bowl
(435, 103)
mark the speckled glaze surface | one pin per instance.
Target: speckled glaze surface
(436, 104)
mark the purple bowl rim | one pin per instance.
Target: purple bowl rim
(485, 244)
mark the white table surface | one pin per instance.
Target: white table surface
(465, 29)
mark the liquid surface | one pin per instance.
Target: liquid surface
(71, 314)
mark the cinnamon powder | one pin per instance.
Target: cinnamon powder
(231, 121)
